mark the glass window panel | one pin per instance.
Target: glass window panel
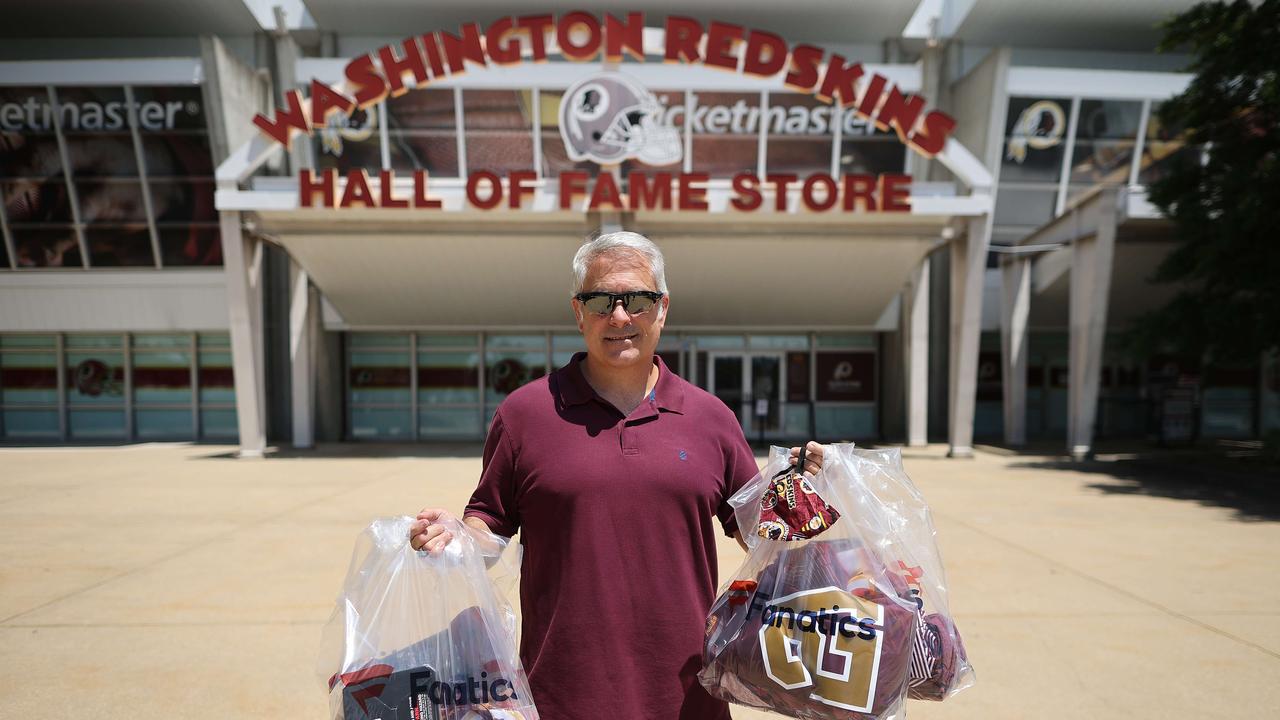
(30, 424)
(436, 153)
(162, 377)
(450, 423)
(1025, 207)
(845, 376)
(538, 341)
(46, 247)
(379, 377)
(95, 378)
(448, 377)
(845, 422)
(1105, 138)
(111, 201)
(95, 341)
(349, 141)
(856, 340)
(719, 342)
(799, 134)
(865, 150)
(779, 342)
(218, 424)
(37, 199)
(190, 245)
(97, 424)
(26, 111)
(28, 378)
(170, 155)
(796, 420)
(217, 379)
(23, 340)
(725, 143)
(153, 424)
(422, 109)
(101, 154)
(1163, 148)
(92, 110)
(213, 339)
(160, 108)
(388, 340)
(30, 155)
(171, 340)
(183, 201)
(451, 341)
(499, 131)
(507, 370)
(1034, 133)
(380, 424)
(421, 132)
(119, 246)
(4, 256)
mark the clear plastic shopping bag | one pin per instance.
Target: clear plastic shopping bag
(824, 617)
(417, 636)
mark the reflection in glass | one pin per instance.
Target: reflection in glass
(46, 246)
(799, 134)
(111, 201)
(498, 130)
(187, 245)
(1162, 148)
(183, 201)
(1105, 136)
(726, 127)
(162, 377)
(101, 154)
(177, 155)
(119, 246)
(1031, 208)
(435, 153)
(379, 377)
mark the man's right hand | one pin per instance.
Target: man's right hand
(428, 531)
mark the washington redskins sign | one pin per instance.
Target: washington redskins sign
(609, 118)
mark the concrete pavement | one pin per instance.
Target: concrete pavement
(162, 581)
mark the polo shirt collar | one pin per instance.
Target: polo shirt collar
(575, 390)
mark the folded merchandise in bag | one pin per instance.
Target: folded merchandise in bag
(822, 620)
(417, 636)
(895, 514)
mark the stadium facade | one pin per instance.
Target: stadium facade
(883, 221)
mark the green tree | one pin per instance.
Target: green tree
(1224, 202)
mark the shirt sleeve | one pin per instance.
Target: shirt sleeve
(739, 469)
(494, 500)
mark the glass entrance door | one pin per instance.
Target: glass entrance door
(752, 385)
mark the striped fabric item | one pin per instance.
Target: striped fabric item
(924, 653)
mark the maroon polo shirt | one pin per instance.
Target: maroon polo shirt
(618, 517)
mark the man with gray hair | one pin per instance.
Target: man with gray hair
(616, 472)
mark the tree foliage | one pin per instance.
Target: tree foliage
(1225, 202)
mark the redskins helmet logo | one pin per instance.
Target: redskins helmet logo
(609, 117)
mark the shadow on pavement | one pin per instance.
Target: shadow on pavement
(1252, 492)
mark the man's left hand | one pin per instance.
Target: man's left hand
(812, 457)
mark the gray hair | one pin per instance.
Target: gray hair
(613, 242)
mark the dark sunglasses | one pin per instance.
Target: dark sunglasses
(635, 302)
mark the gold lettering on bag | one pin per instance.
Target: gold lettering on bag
(826, 639)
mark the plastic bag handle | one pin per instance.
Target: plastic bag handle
(797, 466)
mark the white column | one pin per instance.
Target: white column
(1090, 288)
(915, 333)
(302, 344)
(244, 305)
(1015, 307)
(968, 266)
